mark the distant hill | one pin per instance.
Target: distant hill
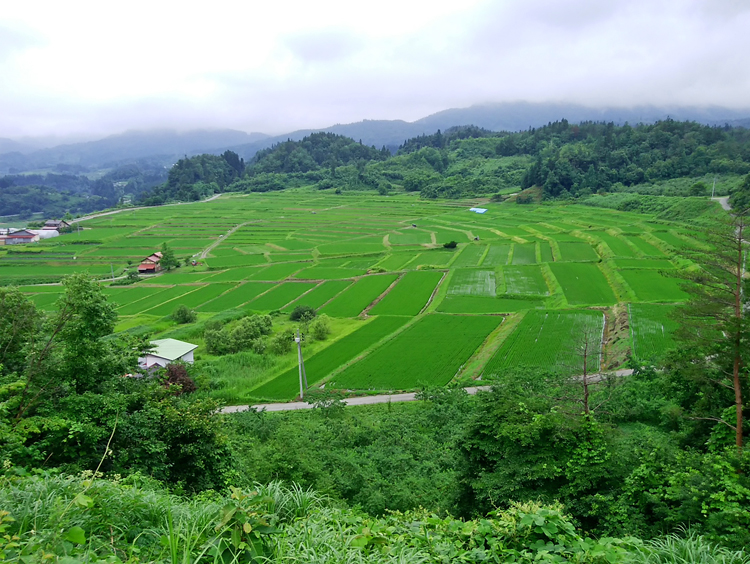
(123, 148)
(170, 145)
(511, 116)
(519, 116)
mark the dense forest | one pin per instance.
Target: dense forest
(54, 194)
(564, 160)
(561, 160)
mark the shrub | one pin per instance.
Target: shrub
(281, 343)
(302, 312)
(450, 245)
(320, 328)
(182, 314)
(178, 380)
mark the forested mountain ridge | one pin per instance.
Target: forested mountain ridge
(565, 160)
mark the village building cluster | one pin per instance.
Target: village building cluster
(50, 229)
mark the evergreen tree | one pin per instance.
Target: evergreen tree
(168, 260)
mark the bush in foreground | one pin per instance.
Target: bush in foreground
(88, 519)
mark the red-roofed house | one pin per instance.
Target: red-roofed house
(150, 264)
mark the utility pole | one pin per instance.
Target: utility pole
(301, 366)
(112, 270)
(713, 190)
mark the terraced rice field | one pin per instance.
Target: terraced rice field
(577, 252)
(352, 301)
(617, 245)
(583, 283)
(525, 280)
(342, 258)
(651, 329)
(524, 253)
(552, 340)
(319, 366)
(321, 294)
(409, 295)
(472, 282)
(497, 255)
(279, 296)
(652, 286)
(431, 351)
(470, 255)
(236, 297)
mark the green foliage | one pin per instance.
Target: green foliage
(70, 406)
(245, 334)
(168, 260)
(302, 311)
(450, 245)
(183, 314)
(320, 328)
(19, 321)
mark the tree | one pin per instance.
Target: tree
(713, 323)
(320, 328)
(183, 314)
(168, 260)
(450, 245)
(302, 312)
(177, 379)
(19, 321)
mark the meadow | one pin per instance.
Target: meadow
(378, 262)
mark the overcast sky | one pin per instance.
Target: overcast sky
(98, 67)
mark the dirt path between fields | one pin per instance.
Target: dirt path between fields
(371, 400)
(216, 243)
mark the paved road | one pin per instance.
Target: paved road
(370, 400)
(724, 201)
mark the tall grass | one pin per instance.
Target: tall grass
(689, 549)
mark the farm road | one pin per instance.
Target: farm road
(92, 216)
(213, 245)
(724, 201)
(370, 400)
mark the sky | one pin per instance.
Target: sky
(95, 68)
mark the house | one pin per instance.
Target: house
(150, 264)
(20, 237)
(55, 225)
(166, 351)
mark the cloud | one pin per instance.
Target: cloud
(278, 67)
(323, 45)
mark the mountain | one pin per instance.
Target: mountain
(167, 145)
(519, 116)
(510, 116)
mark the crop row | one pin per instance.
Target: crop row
(430, 351)
(410, 295)
(352, 301)
(651, 327)
(320, 365)
(553, 340)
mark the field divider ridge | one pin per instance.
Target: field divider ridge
(375, 302)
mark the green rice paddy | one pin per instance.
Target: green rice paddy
(359, 255)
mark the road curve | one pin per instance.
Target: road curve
(724, 202)
(370, 400)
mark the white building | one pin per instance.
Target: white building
(165, 351)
